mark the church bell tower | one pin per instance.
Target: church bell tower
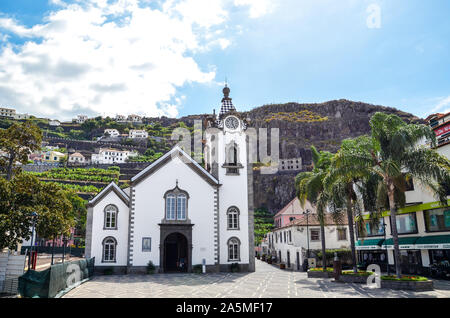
(226, 157)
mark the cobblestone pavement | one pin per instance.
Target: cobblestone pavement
(266, 282)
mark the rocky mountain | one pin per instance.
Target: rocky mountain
(323, 125)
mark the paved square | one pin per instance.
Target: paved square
(266, 282)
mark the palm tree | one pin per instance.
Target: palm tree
(394, 152)
(343, 183)
(309, 186)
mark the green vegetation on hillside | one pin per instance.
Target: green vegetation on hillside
(263, 224)
(303, 116)
(79, 174)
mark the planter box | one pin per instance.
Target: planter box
(269, 261)
(357, 279)
(403, 285)
(282, 266)
(320, 274)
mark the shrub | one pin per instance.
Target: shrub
(320, 269)
(359, 273)
(405, 278)
(234, 267)
(150, 268)
(197, 269)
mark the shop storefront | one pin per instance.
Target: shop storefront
(370, 252)
(410, 255)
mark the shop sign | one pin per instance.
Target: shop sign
(402, 247)
(429, 246)
(368, 247)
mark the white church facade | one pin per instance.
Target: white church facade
(178, 213)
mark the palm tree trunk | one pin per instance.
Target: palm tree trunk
(351, 232)
(324, 255)
(393, 210)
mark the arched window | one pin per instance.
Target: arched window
(234, 246)
(181, 206)
(170, 207)
(233, 218)
(232, 155)
(176, 204)
(109, 250)
(111, 217)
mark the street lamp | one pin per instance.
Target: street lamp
(307, 212)
(33, 215)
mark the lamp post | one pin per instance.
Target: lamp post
(33, 215)
(307, 212)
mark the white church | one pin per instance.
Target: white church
(178, 213)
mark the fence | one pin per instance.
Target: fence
(74, 251)
(56, 280)
(11, 267)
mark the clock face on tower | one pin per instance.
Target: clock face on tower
(232, 123)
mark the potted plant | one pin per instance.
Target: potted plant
(197, 269)
(269, 260)
(282, 266)
(150, 268)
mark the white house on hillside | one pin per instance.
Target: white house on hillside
(111, 156)
(111, 132)
(135, 133)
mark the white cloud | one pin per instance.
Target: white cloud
(442, 103)
(257, 8)
(98, 57)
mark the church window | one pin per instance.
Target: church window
(181, 207)
(109, 250)
(233, 249)
(233, 218)
(170, 201)
(176, 205)
(111, 217)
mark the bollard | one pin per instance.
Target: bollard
(337, 267)
(204, 266)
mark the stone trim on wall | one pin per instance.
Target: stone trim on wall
(88, 243)
(251, 216)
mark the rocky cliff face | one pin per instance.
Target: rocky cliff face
(323, 125)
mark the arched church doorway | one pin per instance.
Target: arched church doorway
(176, 253)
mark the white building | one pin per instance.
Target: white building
(290, 243)
(21, 116)
(111, 156)
(423, 225)
(135, 133)
(134, 118)
(177, 214)
(54, 123)
(81, 119)
(7, 112)
(77, 158)
(111, 132)
(121, 118)
(292, 164)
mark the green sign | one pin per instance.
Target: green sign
(447, 218)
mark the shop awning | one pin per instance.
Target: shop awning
(369, 244)
(405, 243)
(433, 242)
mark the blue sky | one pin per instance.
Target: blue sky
(81, 59)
